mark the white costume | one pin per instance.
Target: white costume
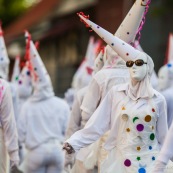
(43, 121)
(114, 71)
(8, 131)
(166, 88)
(134, 113)
(83, 74)
(4, 71)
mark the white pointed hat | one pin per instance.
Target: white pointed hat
(170, 48)
(25, 82)
(89, 53)
(16, 70)
(83, 74)
(124, 50)
(130, 25)
(4, 60)
(99, 63)
(40, 78)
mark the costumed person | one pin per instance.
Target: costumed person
(166, 81)
(75, 124)
(42, 121)
(114, 71)
(83, 74)
(8, 131)
(134, 113)
(24, 89)
(4, 71)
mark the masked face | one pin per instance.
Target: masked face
(137, 73)
(163, 78)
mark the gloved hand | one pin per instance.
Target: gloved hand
(69, 149)
(159, 167)
(69, 160)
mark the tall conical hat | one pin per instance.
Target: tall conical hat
(16, 70)
(123, 49)
(130, 25)
(25, 82)
(40, 73)
(169, 57)
(4, 60)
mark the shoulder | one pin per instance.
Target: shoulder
(119, 89)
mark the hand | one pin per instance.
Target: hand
(69, 149)
(69, 160)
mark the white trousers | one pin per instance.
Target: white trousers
(4, 159)
(47, 158)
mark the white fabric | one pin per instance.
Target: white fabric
(69, 96)
(40, 78)
(154, 80)
(15, 99)
(98, 63)
(101, 83)
(4, 159)
(170, 50)
(7, 122)
(35, 124)
(166, 88)
(168, 94)
(129, 27)
(165, 76)
(16, 70)
(166, 152)
(4, 60)
(24, 83)
(82, 77)
(74, 123)
(109, 116)
(48, 158)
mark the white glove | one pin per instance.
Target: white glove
(159, 167)
(69, 160)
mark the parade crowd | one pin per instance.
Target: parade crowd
(116, 117)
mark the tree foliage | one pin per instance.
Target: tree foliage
(11, 9)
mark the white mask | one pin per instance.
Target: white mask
(137, 73)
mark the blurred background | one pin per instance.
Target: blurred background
(63, 38)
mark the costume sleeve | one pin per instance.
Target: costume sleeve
(74, 123)
(91, 101)
(9, 125)
(65, 117)
(162, 126)
(97, 125)
(21, 124)
(92, 98)
(167, 150)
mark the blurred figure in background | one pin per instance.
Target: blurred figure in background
(166, 81)
(8, 131)
(83, 75)
(75, 122)
(43, 120)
